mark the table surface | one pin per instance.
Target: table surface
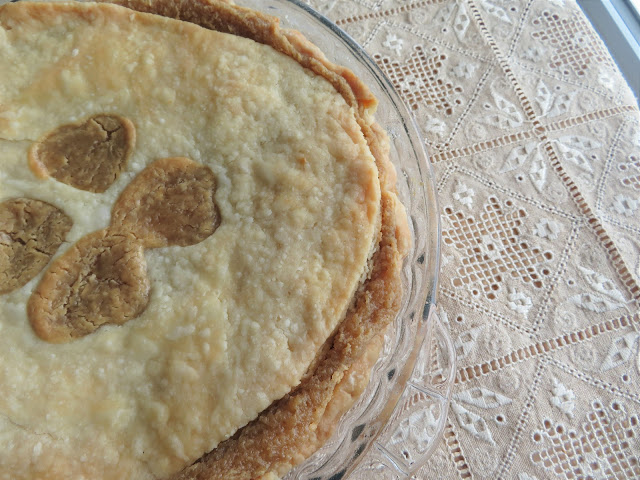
(535, 142)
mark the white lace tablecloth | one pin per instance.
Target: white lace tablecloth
(535, 141)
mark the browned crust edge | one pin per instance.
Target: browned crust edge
(293, 427)
(284, 434)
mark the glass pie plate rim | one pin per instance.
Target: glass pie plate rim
(418, 358)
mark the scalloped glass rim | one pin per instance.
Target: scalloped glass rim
(416, 332)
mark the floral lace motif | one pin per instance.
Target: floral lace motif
(493, 249)
(603, 449)
(572, 41)
(632, 179)
(421, 79)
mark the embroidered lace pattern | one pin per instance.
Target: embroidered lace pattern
(535, 141)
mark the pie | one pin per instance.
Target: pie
(200, 241)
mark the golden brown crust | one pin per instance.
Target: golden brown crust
(88, 155)
(101, 280)
(288, 431)
(225, 17)
(276, 437)
(348, 390)
(169, 203)
(291, 428)
(31, 231)
(353, 383)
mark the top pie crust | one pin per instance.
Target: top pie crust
(286, 300)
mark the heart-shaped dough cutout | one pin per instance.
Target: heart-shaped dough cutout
(169, 203)
(89, 155)
(101, 280)
(31, 231)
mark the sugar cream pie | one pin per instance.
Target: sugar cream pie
(200, 241)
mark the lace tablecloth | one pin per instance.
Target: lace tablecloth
(535, 141)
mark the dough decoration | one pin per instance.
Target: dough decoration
(31, 231)
(103, 279)
(89, 156)
(169, 203)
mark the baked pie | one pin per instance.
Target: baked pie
(200, 241)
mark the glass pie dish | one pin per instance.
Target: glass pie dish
(394, 426)
(399, 418)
